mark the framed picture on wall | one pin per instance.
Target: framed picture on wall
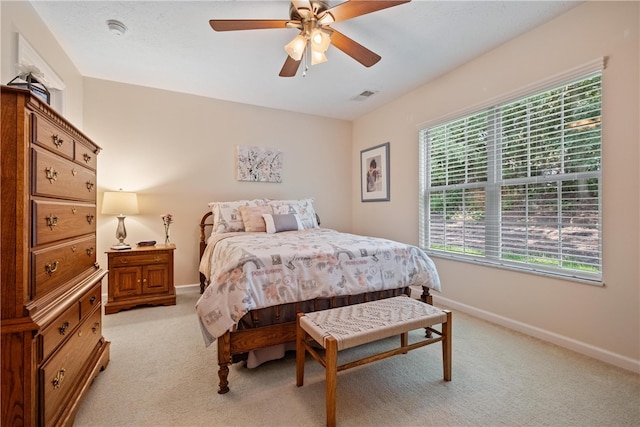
(374, 173)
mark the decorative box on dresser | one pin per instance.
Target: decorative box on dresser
(51, 301)
(140, 276)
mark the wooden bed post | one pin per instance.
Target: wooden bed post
(426, 296)
(224, 361)
(203, 245)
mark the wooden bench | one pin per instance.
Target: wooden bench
(345, 327)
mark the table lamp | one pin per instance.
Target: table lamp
(120, 203)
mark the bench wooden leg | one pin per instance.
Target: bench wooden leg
(301, 351)
(331, 360)
(446, 347)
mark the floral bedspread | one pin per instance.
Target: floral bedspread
(257, 270)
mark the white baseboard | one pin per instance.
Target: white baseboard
(569, 343)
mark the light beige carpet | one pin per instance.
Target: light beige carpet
(162, 375)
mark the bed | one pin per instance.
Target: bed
(263, 261)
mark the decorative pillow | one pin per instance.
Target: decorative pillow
(303, 208)
(286, 222)
(226, 215)
(252, 217)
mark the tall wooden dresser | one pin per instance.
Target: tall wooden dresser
(51, 310)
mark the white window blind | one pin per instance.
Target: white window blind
(519, 184)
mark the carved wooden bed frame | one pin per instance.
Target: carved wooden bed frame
(234, 345)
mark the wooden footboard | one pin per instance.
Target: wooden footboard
(276, 325)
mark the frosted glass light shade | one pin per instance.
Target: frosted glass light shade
(295, 48)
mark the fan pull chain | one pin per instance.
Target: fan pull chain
(307, 51)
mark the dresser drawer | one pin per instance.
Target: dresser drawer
(141, 259)
(59, 329)
(53, 176)
(55, 265)
(60, 220)
(48, 135)
(61, 374)
(91, 300)
(85, 156)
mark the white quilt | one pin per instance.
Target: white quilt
(257, 270)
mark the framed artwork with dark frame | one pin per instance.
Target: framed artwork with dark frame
(374, 173)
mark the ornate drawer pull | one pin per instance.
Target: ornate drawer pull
(123, 261)
(51, 267)
(92, 300)
(52, 221)
(63, 328)
(73, 248)
(51, 174)
(74, 172)
(96, 327)
(90, 218)
(74, 210)
(90, 185)
(57, 141)
(86, 157)
(58, 379)
(90, 251)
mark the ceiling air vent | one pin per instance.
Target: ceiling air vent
(363, 95)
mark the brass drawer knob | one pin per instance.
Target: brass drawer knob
(90, 251)
(52, 221)
(57, 141)
(63, 328)
(90, 218)
(52, 267)
(51, 174)
(90, 185)
(86, 157)
(96, 327)
(92, 300)
(58, 379)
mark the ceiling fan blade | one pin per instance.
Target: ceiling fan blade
(247, 24)
(290, 67)
(353, 8)
(354, 49)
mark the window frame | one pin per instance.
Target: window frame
(492, 256)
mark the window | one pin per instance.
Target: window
(518, 184)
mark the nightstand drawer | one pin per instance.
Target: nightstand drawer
(60, 220)
(141, 259)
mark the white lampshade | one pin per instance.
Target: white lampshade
(119, 202)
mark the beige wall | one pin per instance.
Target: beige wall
(178, 153)
(601, 321)
(19, 17)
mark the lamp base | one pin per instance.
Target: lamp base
(120, 246)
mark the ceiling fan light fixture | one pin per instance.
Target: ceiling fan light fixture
(317, 57)
(320, 39)
(295, 48)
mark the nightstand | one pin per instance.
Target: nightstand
(139, 276)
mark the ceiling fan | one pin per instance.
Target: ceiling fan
(313, 18)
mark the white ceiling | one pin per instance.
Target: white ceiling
(170, 45)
